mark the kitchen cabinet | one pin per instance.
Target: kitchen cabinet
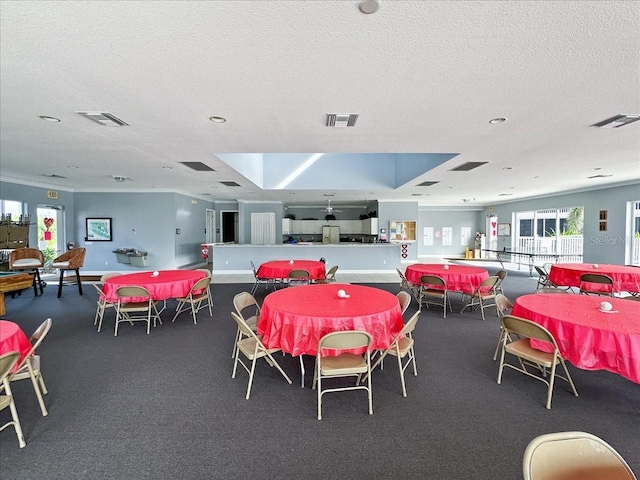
(286, 226)
(370, 226)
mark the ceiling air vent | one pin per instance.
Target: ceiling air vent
(617, 121)
(230, 184)
(341, 119)
(427, 184)
(198, 166)
(104, 118)
(465, 167)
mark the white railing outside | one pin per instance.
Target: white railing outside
(635, 257)
(569, 247)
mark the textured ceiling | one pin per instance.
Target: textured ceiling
(425, 77)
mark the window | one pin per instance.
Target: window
(526, 228)
(12, 208)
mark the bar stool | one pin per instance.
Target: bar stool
(29, 259)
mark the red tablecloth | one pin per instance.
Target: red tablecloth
(625, 278)
(458, 278)
(295, 319)
(588, 338)
(13, 339)
(278, 269)
(168, 283)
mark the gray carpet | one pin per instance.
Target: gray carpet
(165, 406)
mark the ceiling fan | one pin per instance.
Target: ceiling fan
(329, 209)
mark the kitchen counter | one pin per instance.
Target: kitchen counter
(351, 257)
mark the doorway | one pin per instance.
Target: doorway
(229, 226)
(50, 231)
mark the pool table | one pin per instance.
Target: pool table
(11, 282)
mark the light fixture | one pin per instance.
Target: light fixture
(342, 119)
(49, 119)
(119, 178)
(104, 118)
(617, 121)
(218, 119)
(73, 166)
(507, 168)
(369, 6)
(495, 121)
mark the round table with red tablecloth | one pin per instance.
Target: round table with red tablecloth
(167, 284)
(457, 278)
(13, 339)
(625, 278)
(588, 337)
(279, 269)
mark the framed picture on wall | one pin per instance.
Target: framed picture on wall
(504, 229)
(99, 230)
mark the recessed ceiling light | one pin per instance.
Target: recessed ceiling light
(507, 168)
(369, 6)
(218, 119)
(167, 168)
(495, 121)
(49, 119)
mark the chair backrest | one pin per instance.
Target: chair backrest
(298, 274)
(488, 285)
(404, 298)
(40, 333)
(541, 272)
(403, 279)
(551, 290)
(106, 276)
(243, 300)
(331, 274)
(432, 280)
(128, 291)
(410, 325)
(75, 257)
(7, 361)
(344, 340)
(501, 274)
(503, 303)
(596, 278)
(244, 328)
(206, 271)
(253, 267)
(202, 284)
(573, 455)
(25, 253)
(527, 328)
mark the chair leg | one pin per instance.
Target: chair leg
(36, 388)
(400, 367)
(79, 281)
(60, 283)
(14, 416)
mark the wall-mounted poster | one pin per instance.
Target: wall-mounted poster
(504, 229)
(98, 230)
(402, 231)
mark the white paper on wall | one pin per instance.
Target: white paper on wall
(427, 236)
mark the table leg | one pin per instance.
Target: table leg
(3, 309)
(302, 372)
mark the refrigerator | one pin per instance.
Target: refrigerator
(330, 234)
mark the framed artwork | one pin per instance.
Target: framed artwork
(99, 230)
(504, 229)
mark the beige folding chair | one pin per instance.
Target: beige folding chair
(501, 274)
(125, 307)
(102, 302)
(401, 347)
(343, 364)
(573, 455)
(407, 285)
(588, 279)
(29, 367)
(520, 348)
(259, 281)
(433, 291)
(404, 299)
(241, 301)
(481, 295)
(71, 260)
(253, 348)
(504, 306)
(330, 277)
(543, 278)
(7, 361)
(199, 297)
(298, 277)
